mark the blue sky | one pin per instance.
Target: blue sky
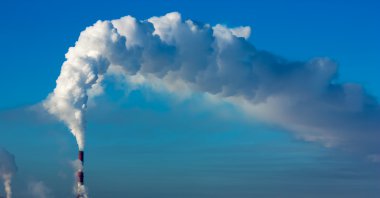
(144, 145)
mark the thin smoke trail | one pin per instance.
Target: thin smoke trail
(7, 169)
(7, 185)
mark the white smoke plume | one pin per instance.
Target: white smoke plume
(7, 169)
(85, 64)
(182, 56)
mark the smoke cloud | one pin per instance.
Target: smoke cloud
(39, 190)
(7, 169)
(184, 57)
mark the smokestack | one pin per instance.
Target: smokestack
(80, 174)
(81, 156)
(80, 177)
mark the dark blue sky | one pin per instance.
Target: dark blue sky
(143, 145)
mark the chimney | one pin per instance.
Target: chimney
(80, 174)
(80, 177)
(81, 156)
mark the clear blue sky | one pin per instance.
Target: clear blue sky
(163, 150)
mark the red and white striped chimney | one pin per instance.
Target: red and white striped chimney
(80, 174)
